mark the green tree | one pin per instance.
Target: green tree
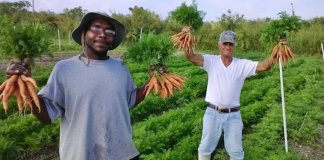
(144, 20)
(67, 21)
(9, 8)
(208, 41)
(17, 11)
(319, 20)
(131, 35)
(188, 15)
(47, 18)
(152, 48)
(23, 40)
(281, 28)
(249, 39)
(231, 21)
(74, 13)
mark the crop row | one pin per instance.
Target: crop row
(171, 128)
(267, 106)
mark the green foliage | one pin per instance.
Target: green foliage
(231, 21)
(163, 131)
(318, 20)
(307, 40)
(140, 21)
(171, 128)
(248, 38)
(23, 39)
(145, 20)
(188, 15)
(14, 7)
(281, 28)
(25, 135)
(153, 48)
(208, 41)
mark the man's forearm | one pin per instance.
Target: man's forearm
(41, 113)
(264, 65)
(140, 94)
(194, 58)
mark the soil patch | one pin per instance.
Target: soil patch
(46, 60)
(315, 152)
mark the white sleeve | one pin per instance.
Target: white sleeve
(207, 62)
(249, 67)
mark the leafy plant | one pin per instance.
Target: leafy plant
(231, 21)
(279, 29)
(152, 48)
(188, 15)
(23, 39)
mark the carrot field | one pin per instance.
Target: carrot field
(170, 129)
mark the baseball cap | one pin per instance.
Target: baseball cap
(228, 36)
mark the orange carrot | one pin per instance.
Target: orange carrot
(33, 94)
(174, 82)
(10, 82)
(6, 95)
(20, 102)
(29, 79)
(282, 51)
(156, 85)
(2, 86)
(183, 40)
(22, 89)
(149, 87)
(169, 87)
(176, 77)
(164, 91)
(28, 101)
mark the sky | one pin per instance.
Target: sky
(251, 9)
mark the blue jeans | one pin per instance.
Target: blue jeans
(213, 125)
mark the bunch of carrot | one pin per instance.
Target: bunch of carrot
(282, 51)
(25, 90)
(164, 82)
(184, 40)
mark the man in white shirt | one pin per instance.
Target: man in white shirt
(226, 75)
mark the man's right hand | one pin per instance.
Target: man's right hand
(19, 68)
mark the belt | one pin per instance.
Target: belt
(224, 110)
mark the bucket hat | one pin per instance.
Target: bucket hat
(87, 18)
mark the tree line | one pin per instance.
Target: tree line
(253, 35)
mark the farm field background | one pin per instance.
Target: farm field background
(171, 128)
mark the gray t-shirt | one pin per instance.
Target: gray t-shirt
(93, 102)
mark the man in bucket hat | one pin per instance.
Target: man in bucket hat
(226, 75)
(92, 94)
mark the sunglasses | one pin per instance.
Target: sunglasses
(98, 29)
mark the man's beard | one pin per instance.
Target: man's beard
(99, 53)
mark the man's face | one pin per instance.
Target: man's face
(226, 49)
(99, 36)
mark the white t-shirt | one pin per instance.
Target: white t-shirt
(93, 102)
(225, 83)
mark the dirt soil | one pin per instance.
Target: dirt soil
(315, 152)
(43, 61)
(46, 60)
